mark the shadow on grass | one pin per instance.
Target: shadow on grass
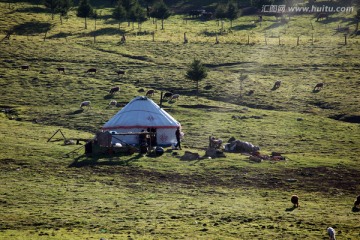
(60, 35)
(78, 111)
(109, 31)
(244, 27)
(33, 9)
(33, 27)
(290, 209)
(108, 160)
(275, 25)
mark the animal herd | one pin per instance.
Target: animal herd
(330, 231)
(62, 70)
(277, 85)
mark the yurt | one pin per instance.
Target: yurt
(142, 114)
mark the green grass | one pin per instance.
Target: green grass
(47, 194)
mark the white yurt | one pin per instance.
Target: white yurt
(141, 114)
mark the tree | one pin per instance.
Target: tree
(160, 11)
(84, 10)
(232, 12)
(63, 8)
(137, 14)
(119, 13)
(357, 17)
(196, 72)
(52, 5)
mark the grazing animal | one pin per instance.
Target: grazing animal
(114, 90)
(150, 93)
(357, 202)
(174, 97)
(318, 86)
(112, 103)
(331, 233)
(85, 104)
(167, 95)
(277, 84)
(322, 16)
(251, 92)
(91, 70)
(295, 201)
(61, 69)
(120, 72)
(25, 67)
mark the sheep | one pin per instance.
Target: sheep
(174, 97)
(120, 72)
(331, 233)
(318, 86)
(25, 67)
(114, 90)
(61, 69)
(91, 70)
(112, 103)
(295, 201)
(277, 84)
(357, 202)
(85, 104)
(150, 93)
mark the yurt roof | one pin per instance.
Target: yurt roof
(141, 112)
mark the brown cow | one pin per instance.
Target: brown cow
(318, 86)
(91, 70)
(277, 84)
(25, 67)
(295, 201)
(61, 69)
(120, 72)
(150, 93)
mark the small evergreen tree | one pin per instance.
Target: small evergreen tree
(84, 10)
(119, 13)
(63, 8)
(232, 12)
(160, 11)
(52, 5)
(137, 14)
(196, 72)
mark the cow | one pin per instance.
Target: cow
(91, 70)
(295, 201)
(114, 90)
(277, 84)
(25, 67)
(318, 86)
(112, 103)
(167, 95)
(85, 104)
(150, 93)
(120, 72)
(357, 202)
(322, 16)
(61, 69)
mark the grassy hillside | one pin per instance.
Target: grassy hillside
(48, 194)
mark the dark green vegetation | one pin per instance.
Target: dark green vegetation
(46, 195)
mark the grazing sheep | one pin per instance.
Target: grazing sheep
(167, 95)
(331, 233)
(277, 84)
(357, 202)
(114, 90)
(112, 103)
(174, 97)
(150, 93)
(91, 70)
(120, 72)
(85, 104)
(25, 67)
(61, 69)
(295, 201)
(318, 86)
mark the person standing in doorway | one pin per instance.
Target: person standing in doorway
(177, 134)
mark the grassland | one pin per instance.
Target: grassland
(46, 194)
